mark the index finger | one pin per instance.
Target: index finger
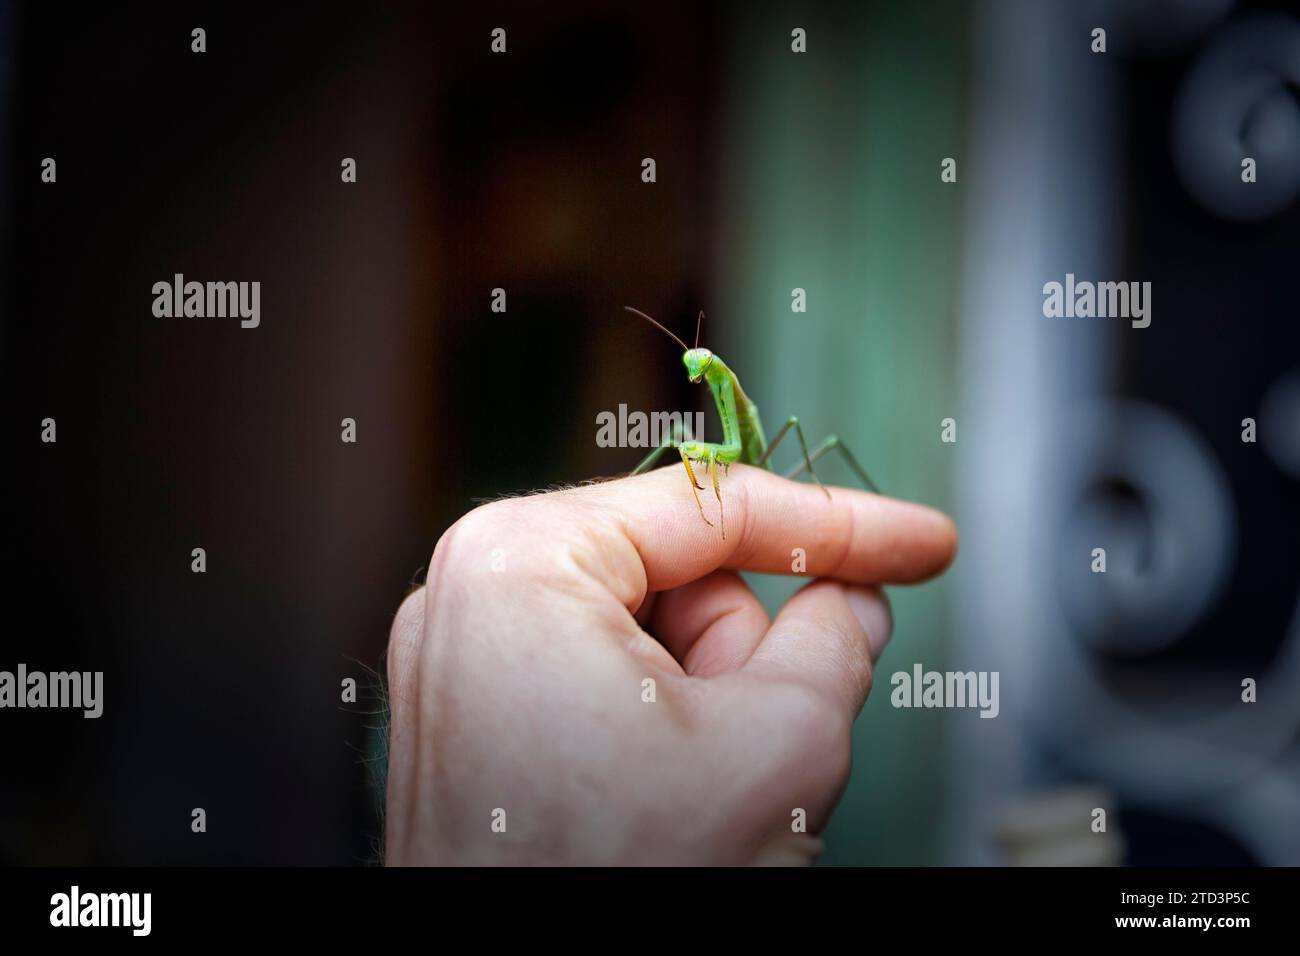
(776, 526)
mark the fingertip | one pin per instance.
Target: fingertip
(948, 537)
(936, 537)
(870, 606)
(819, 638)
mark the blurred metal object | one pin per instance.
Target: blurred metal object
(1253, 813)
(1020, 371)
(1153, 27)
(1167, 731)
(1279, 423)
(1240, 100)
(1055, 828)
(1150, 491)
(1107, 677)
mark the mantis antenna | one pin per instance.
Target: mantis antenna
(660, 327)
(698, 322)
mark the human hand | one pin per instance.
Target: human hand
(520, 727)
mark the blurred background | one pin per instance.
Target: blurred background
(775, 171)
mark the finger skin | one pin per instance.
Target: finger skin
(873, 612)
(404, 642)
(632, 537)
(855, 536)
(711, 625)
(520, 672)
(818, 639)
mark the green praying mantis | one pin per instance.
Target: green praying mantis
(742, 429)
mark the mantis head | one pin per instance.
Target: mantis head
(696, 360)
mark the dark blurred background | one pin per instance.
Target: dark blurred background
(775, 171)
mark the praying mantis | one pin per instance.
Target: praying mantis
(742, 429)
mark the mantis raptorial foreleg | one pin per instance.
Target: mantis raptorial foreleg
(690, 473)
(717, 493)
(676, 442)
(833, 441)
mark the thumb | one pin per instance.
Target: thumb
(827, 637)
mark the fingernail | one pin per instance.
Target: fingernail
(871, 608)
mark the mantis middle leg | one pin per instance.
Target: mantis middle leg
(832, 441)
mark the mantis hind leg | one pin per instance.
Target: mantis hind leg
(833, 442)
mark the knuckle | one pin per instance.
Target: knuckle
(409, 617)
(484, 524)
(472, 538)
(405, 635)
(468, 543)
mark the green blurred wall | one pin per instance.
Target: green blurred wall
(830, 183)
